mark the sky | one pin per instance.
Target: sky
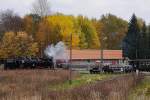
(89, 8)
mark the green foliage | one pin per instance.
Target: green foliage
(114, 29)
(142, 90)
(82, 43)
(107, 32)
(131, 40)
(81, 80)
(91, 36)
(136, 42)
(143, 43)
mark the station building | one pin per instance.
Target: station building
(109, 56)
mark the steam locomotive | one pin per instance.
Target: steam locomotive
(27, 63)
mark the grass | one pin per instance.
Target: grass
(116, 88)
(54, 85)
(142, 91)
(81, 80)
(27, 83)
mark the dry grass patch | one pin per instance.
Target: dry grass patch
(53, 85)
(29, 83)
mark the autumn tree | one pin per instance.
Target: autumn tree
(31, 24)
(47, 34)
(25, 45)
(114, 29)
(90, 34)
(140, 22)
(82, 43)
(43, 32)
(65, 26)
(99, 29)
(7, 47)
(20, 44)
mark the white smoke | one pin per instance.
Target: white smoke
(58, 52)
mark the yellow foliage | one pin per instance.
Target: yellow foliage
(7, 45)
(19, 44)
(43, 34)
(67, 27)
(28, 22)
(33, 49)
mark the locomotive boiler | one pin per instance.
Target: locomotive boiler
(28, 63)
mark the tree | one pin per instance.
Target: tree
(25, 45)
(41, 7)
(91, 37)
(7, 47)
(148, 35)
(82, 43)
(47, 34)
(148, 42)
(140, 22)
(143, 44)
(99, 29)
(31, 24)
(113, 28)
(16, 45)
(64, 26)
(9, 21)
(131, 40)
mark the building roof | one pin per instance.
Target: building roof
(96, 54)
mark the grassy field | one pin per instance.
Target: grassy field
(81, 80)
(54, 85)
(142, 91)
(19, 84)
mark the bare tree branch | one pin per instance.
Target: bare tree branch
(41, 7)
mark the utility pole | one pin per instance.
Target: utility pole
(70, 67)
(101, 54)
(102, 39)
(137, 55)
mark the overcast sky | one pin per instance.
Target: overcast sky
(90, 8)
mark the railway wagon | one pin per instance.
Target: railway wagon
(141, 64)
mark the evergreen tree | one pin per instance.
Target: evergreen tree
(143, 44)
(148, 40)
(131, 40)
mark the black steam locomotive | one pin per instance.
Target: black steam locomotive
(27, 63)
